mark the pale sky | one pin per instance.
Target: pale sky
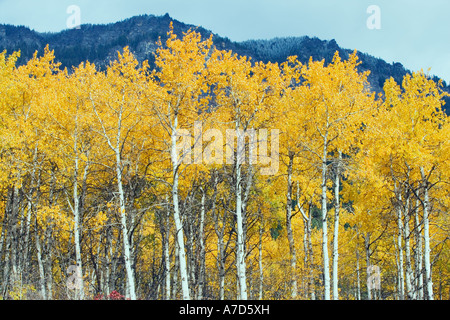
(413, 32)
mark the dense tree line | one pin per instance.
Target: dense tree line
(214, 177)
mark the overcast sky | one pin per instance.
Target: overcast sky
(413, 32)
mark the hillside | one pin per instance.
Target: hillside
(99, 44)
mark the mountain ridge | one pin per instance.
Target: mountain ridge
(99, 44)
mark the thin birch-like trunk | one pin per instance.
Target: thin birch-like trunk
(337, 207)
(167, 253)
(175, 272)
(190, 254)
(307, 244)
(25, 257)
(14, 237)
(220, 231)
(397, 287)
(260, 258)
(418, 254)
(220, 261)
(40, 263)
(305, 256)
(49, 264)
(123, 222)
(202, 275)
(293, 262)
(7, 260)
(326, 260)
(426, 236)
(28, 218)
(401, 276)
(2, 241)
(367, 249)
(358, 276)
(108, 257)
(240, 254)
(407, 235)
(177, 217)
(76, 217)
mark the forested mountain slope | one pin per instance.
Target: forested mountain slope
(99, 44)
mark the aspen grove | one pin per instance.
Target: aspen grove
(103, 197)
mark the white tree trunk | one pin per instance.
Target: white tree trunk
(29, 209)
(108, 255)
(167, 253)
(220, 231)
(358, 277)
(307, 244)
(40, 263)
(305, 255)
(240, 254)
(175, 272)
(326, 261)
(337, 207)
(426, 236)
(177, 216)
(418, 255)
(407, 234)
(260, 258)
(76, 218)
(202, 274)
(26, 261)
(401, 276)
(123, 222)
(289, 230)
(367, 250)
(123, 215)
(221, 266)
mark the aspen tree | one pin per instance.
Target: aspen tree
(177, 106)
